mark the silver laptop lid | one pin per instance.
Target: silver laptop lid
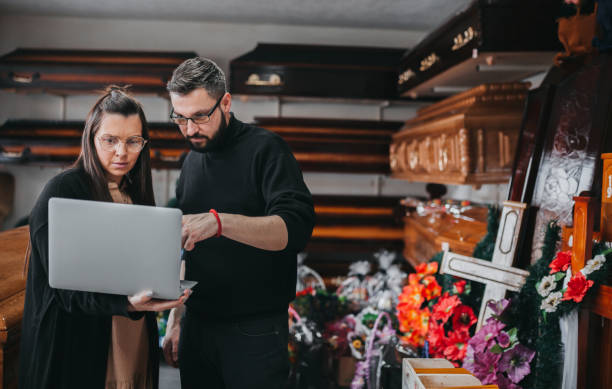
(114, 248)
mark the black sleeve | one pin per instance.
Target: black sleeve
(71, 301)
(287, 196)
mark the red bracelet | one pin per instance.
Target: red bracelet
(219, 229)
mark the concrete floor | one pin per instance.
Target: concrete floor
(168, 376)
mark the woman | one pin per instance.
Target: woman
(73, 339)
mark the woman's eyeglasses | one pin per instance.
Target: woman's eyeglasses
(133, 144)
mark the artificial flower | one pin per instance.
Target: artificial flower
(305, 292)
(561, 262)
(593, 264)
(464, 318)
(432, 288)
(577, 288)
(515, 362)
(485, 366)
(443, 310)
(549, 304)
(504, 382)
(456, 345)
(436, 338)
(503, 339)
(498, 307)
(412, 295)
(485, 337)
(459, 287)
(546, 285)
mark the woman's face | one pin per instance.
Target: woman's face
(118, 144)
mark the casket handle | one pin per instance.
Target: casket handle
(24, 78)
(273, 80)
(13, 157)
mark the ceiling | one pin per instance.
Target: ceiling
(413, 15)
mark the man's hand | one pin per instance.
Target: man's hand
(143, 301)
(198, 227)
(171, 340)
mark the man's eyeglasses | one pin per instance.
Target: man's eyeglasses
(133, 144)
(202, 118)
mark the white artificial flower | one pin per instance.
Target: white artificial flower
(593, 264)
(549, 304)
(547, 285)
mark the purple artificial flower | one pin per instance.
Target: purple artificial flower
(485, 367)
(485, 337)
(498, 307)
(505, 383)
(503, 339)
(515, 362)
(468, 361)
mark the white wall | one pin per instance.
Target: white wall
(221, 42)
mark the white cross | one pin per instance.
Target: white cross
(498, 275)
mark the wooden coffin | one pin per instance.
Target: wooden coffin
(79, 71)
(316, 71)
(13, 244)
(424, 235)
(490, 41)
(469, 138)
(59, 142)
(329, 145)
(352, 228)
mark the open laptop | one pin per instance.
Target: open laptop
(115, 248)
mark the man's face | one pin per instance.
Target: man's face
(197, 104)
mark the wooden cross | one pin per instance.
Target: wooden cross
(498, 275)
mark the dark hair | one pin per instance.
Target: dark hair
(196, 73)
(137, 183)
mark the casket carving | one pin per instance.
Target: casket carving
(469, 138)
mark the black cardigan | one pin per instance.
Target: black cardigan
(66, 334)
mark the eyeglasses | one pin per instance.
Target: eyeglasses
(133, 144)
(197, 119)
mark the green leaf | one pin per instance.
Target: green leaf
(559, 276)
(513, 335)
(496, 349)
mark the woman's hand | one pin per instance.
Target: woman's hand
(143, 301)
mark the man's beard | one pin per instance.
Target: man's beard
(216, 143)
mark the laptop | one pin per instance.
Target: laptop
(115, 248)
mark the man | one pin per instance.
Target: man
(247, 214)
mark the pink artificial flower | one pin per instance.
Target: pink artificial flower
(485, 337)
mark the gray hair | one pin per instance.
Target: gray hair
(196, 73)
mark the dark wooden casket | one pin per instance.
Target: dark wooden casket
(79, 71)
(490, 41)
(332, 145)
(469, 138)
(352, 228)
(59, 142)
(316, 71)
(13, 245)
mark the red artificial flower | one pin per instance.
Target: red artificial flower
(425, 269)
(432, 288)
(456, 345)
(436, 338)
(561, 262)
(463, 318)
(459, 286)
(577, 287)
(443, 310)
(305, 292)
(413, 279)
(412, 295)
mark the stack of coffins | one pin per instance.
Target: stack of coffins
(59, 142)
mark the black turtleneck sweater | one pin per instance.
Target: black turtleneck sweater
(253, 173)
